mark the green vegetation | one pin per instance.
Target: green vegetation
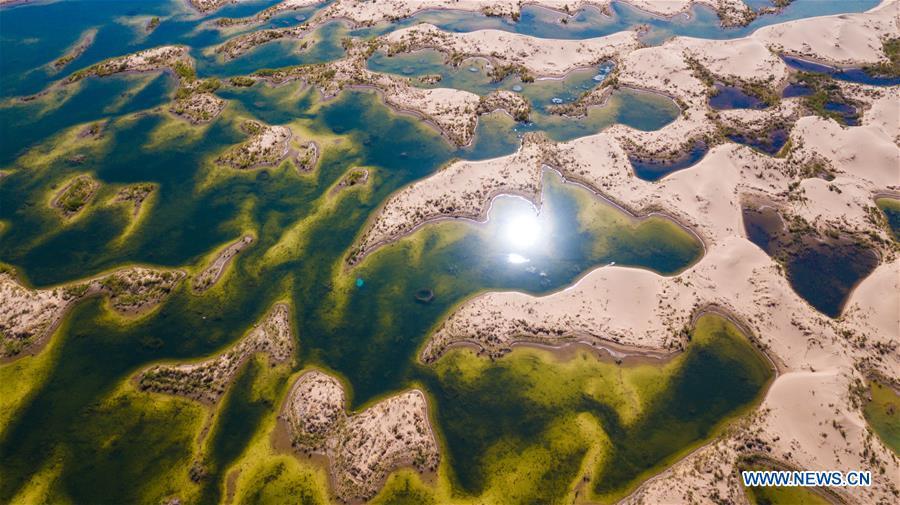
(522, 427)
(252, 397)
(883, 414)
(184, 71)
(64, 60)
(354, 176)
(242, 81)
(132, 290)
(76, 194)
(760, 90)
(891, 209)
(136, 193)
(280, 481)
(501, 72)
(153, 23)
(778, 495)
(825, 91)
(890, 68)
(203, 86)
(405, 488)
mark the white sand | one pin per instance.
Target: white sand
(368, 13)
(851, 39)
(363, 448)
(502, 47)
(818, 357)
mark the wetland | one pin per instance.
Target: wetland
(101, 174)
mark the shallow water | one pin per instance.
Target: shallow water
(350, 330)
(769, 143)
(524, 407)
(641, 110)
(891, 209)
(732, 97)
(856, 75)
(882, 411)
(794, 90)
(700, 21)
(654, 170)
(77, 426)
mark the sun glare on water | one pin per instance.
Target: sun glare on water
(523, 231)
(520, 234)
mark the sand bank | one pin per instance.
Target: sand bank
(268, 13)
(846, 39)
(731, 12)
(173, 58)
(208, 277)
(538, 57)
(206, 381)
(198, 108)
(453, 112)
(364, 448)
(267, 146)
(29, 316)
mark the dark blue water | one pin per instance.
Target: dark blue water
(848, 112)
(794, 90)
(732, 97)
(650, 169)
(822, 270)
(769, 143)
(856, 75)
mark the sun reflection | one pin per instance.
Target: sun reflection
(516, 259)
(522, 231)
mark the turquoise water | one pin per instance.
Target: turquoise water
(641, 110)
(589, 22)
(364, 323)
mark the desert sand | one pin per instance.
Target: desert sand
(207, 381)
(811, 417)
(505, 48)
(208, 277)
(732, 12)
(362, 448)
(29, 316)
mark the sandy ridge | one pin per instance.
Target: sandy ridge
(206, 381)
(362, 448)
(538, 56)
(811, 417)
(29, 316)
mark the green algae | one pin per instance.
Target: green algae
(882, 412)
(891, 209)
(253, 396)
(358, 333)
(518, 429)
(72, 428)
(779, 495)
